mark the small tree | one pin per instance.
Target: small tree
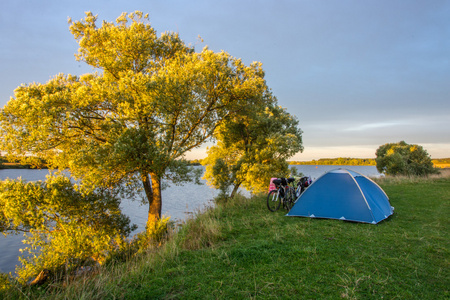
(63, 228)
(403, 159)
(253, 147)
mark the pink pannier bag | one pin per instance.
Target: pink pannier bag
(272, 185)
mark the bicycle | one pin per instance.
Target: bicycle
(302, 184)
(284, 193)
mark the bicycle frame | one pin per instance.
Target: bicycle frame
(285, 191)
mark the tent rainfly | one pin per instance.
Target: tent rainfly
(345, 195)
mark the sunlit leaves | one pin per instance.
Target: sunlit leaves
(403, 159)
(129, 44)
(253, 147)
(64, 227)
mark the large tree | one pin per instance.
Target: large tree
(151, 100)
(252, 147)
(403, 159)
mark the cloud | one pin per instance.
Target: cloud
(371, 126)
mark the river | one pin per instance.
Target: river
(179, 202)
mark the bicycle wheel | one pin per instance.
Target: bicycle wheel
(290, 198)
(273, 200)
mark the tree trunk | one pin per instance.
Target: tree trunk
(152, 187)
(235, 189)
(41, 278)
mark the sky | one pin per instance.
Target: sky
(357, 74)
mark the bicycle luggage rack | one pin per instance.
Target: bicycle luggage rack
(283, 181)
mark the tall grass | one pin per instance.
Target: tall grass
(241, 250)
(401, 179)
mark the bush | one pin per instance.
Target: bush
(65, 228)
(404, 159)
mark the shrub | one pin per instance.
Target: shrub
(64, 228)
(404, 159)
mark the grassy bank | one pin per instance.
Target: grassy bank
(241, 250)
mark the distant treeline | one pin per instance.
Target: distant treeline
(348, 161)
(195, 162)
(341, 161)
(323, 161)
(6, 164)
(441, 162)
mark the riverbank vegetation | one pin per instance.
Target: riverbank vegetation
(65, 229)
(441, 163)
(241, 250)
(340, 161)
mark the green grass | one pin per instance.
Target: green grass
(240, 250)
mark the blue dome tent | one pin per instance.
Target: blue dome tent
(345, 195)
